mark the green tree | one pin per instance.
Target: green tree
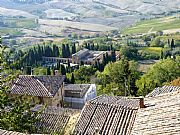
(172, 44)
(73, 48)
(63, 51)
(83, 74)
(123, 75)
(63, 70)
(68, 54)
(48, 71)
(15, 113)
(162, 72)
(72, 78)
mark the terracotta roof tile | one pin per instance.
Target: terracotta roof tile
(111, 115)
(161, 115)
(43, 86)
(162, 90)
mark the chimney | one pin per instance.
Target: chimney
(141, 102)
(96, 131)
(56, 72)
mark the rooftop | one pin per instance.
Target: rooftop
(161, 115)
(42, 86)
(125, 102)
(110, 115)
(5, 132)
(79, 53)
(73, 89)
(53, 119)
(162, 90)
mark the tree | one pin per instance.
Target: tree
(172, 44)
(63, 51)
(176, 82)
(160, 73)
(113, 56)
(0, 40)
(161, 54)
(157, 41)
(68, 63)
(73, 48)
(83, 74)
(48, 71)
(63, 70)
(72, 78)
(68, 54)
(168, 43)
(15, 113)
(123, 75)
(28, 70)
(129, 52)
(55, 51)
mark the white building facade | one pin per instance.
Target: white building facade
(76, 95)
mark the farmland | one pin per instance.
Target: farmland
(150, 26)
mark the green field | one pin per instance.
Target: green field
(20, 23)
(10, 31)
(154, 25)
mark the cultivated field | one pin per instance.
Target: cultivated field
(76, 25)
(59, 13)
(167, 24)
(13, 12)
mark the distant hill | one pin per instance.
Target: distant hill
(114, 13)
(83, 17)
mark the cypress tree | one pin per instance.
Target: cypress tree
(0, 40)
(88, 46)
(28, 70)
(92, 47)
(161, 55)
(104, 60)
(107, 58)
(172, 44)
(72, 78)
(48, 71)
(68, 63)
(63, 70)
(58, 65)
(96, 65)
(81, 63)
(63, 51)
(73, 48)
(113, 56)
(55, 51)
(168, 43)
(68, 54)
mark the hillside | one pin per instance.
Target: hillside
(166, 24)
(87, 18)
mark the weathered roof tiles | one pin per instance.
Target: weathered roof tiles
(42, 86)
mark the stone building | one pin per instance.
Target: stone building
(87, 56)
(76, 95)
(42, 89)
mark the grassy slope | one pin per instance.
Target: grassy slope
(11, 31)
(146, 26)
(20, 23)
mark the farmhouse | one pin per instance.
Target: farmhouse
(87, 56)
(76, 95)
(42, 89)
